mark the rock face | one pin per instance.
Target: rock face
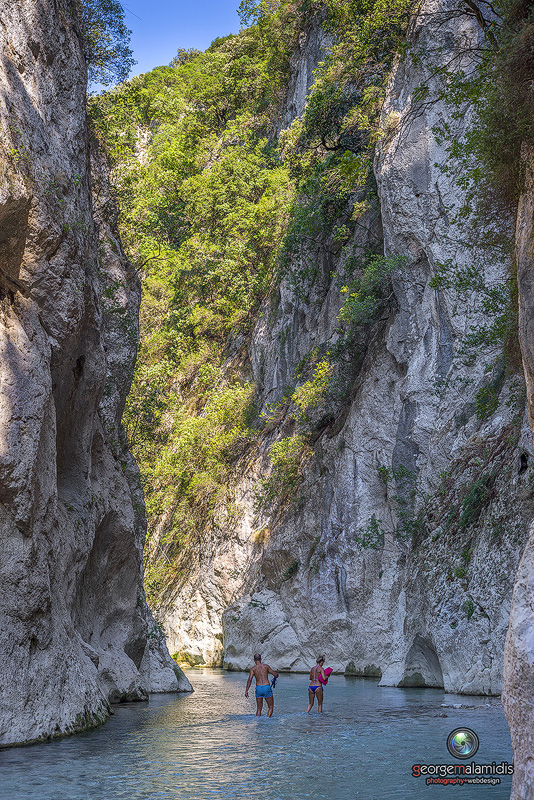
(430, 609)
(75, 632)
(518, 679)
(524, 242)
(312, 48)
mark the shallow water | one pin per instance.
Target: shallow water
(209, 746)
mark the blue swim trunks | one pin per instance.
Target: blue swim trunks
(264, 691)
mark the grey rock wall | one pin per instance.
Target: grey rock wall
(312, 47)
(294, 581)
(75, 633)
(518, 690)
(518, 678)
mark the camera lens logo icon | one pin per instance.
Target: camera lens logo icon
(462, 743)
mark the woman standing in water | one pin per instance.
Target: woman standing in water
(315, 689)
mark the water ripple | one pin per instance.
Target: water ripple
(210, 746)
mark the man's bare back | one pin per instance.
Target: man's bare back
(263, 688)
(261, 673)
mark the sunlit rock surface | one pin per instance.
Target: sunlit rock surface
(75, 633)
(296, 583)
(312, 47)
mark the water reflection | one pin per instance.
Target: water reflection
(209, 745)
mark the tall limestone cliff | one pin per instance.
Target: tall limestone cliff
(75, 632)
(518, 690)
(414, 463)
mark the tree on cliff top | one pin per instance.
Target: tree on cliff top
(251, 11)
(106, 41)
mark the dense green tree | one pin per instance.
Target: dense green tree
(106, 40)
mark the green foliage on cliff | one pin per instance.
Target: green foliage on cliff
(329, 151)
(204, 198)
(215, 211)
(288, 457)
(503, 94)
(366, 292)
(494, 75)
(218, 207)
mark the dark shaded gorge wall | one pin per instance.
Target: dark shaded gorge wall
(75, 632)
(518, 689)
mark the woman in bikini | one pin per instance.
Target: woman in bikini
(315, 688)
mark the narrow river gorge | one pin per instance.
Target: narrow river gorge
(266, 385)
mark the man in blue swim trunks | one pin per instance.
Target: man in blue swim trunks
(263, 688)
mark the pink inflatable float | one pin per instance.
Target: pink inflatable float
(328, 671)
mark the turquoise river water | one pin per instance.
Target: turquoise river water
(209, 745)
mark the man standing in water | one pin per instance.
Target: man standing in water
(263, 688)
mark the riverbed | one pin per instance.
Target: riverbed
(209, 745)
